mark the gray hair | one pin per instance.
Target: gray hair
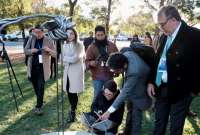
(170, 12)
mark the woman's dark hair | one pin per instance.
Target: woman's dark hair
(117, 61)
(111, 85)
(75, 33)
(149, 36)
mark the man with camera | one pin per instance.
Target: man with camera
(39, 48)
(96, 57)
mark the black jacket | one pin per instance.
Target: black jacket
(87, 41)
(182, 63)
(102, 104)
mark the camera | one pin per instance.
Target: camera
(102, 59)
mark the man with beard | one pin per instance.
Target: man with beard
(96, 57)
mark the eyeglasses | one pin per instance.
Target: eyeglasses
(162, 24)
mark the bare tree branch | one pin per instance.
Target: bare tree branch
(150, 5)
(72, 4)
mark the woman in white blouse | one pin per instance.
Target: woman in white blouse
(73, 81)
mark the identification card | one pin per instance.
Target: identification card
(40, 58)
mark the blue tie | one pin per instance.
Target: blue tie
(162, 64)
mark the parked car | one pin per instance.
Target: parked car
(15, 36)
(11, 37)
(2, 37)
(122, 38)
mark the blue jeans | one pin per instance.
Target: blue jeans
(98, 86)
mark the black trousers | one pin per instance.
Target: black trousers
(37, 79)
(177, 112)
(133, 120)
(73, 97)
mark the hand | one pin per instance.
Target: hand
(151, 90)
(105, 116)
(93, 63)
(34, 50)
(47, 49)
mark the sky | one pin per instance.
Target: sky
(123, 10)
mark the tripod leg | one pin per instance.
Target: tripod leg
(57, 92)
(11, 83)
(14, 76)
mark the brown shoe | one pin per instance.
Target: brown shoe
(191, 114)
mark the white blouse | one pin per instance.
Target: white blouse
(71, 53)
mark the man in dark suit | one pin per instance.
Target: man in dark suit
(87, 41)
(176, 74)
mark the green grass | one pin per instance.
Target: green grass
(25, 122)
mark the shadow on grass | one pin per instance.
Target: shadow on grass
(7, 100)
(25, 122)
(29, 123)
(195, 122)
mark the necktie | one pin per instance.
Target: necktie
(162, 67)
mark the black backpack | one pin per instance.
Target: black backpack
(146, 53)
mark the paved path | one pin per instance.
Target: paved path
(13, 47)
(69, 133)
(17, 47)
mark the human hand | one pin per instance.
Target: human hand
(105, 116)
(93, 63)
(34, 50)
(47, 49)
(151, 90)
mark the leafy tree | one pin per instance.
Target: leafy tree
(5, 8)
(186, 6)
(137, 24)
(102, 13)
(38, 6)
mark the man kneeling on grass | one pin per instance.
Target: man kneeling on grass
(103, 101)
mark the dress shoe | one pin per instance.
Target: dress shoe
(71, 116)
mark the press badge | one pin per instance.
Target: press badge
(40, 58)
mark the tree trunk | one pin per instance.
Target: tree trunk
(162, 2)
(71, 7)
(20, 13)
(150, 5)
(108, 16)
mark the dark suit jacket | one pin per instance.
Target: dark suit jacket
(135, 84)
(182, 63)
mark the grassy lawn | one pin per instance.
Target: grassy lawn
(25, 122)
